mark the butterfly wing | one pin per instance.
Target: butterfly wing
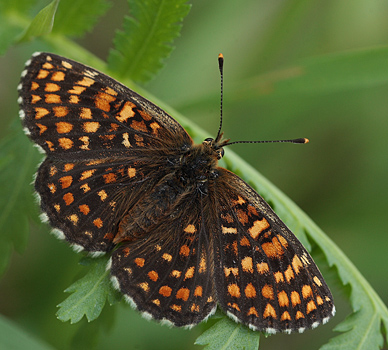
(168, 274)
(105, 145)
(264, 276)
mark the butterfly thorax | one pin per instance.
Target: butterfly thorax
(198, 165)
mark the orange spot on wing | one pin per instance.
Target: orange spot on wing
(190, 272)
(153, 275)
(68, 198)
(258, 227)
(87, 173)
(184, 251)
(198, 291)
(295, 298)
(42, 74)
(126, 112)
(252, 311)
(283, 298)
(84, 209)
(60, 111)
(165, 291)
(35, 98)
(190, 229)
(234, 290)
(247, 264)
(267, 292)
(307, 291)
(167, 257)
(86, 81)
(51, 87)
(102, 194)
(98, 222)
(262, 268)
(68, 166)
(175, 307)
(65, 143)
(289, 273)
(229, 270)
(42, 128)
(91, 126)
(66, 181)
(285, 316)
(269, 311)
(183, 293)
(139, 126)
(64, 127)
(40, 112)
(131, 172)
(139, 262)
(242, 216)
(102, 101)
(145, 286)
(58, 76)
(250, 291)
(85, 113)
(109, 178)
(310, 307)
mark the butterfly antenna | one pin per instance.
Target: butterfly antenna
(221, 67)
(219, 134)
(300, 140)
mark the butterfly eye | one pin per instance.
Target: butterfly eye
(208, 141)
(220, 153)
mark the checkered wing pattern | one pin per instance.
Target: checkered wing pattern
(264, 276)
(121, 175)
(105, 146)
(168, 274)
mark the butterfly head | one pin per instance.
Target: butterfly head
(216, 145)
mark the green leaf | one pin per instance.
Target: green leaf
(226, 335)
(15, 338)
(74, 18)
(145, 42)
(42, 24)
(10, 18)
(89, 294)
(17, 164)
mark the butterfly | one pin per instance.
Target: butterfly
(185, 235)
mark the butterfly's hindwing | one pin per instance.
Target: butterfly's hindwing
(264, 276)
(168, 273)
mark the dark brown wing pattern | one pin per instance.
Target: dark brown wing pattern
(120, 174)
(105, 146)
(264, 276)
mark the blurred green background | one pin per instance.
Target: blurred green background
(339, 178)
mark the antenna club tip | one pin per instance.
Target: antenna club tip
(301, 140)
(220, 55)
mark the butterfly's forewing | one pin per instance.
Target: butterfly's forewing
(105, 146)
(264, 277)
(168, 274)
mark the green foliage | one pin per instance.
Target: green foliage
(139, 52)
(225, 335)
(15, 338)
(77, 17)
(145, 41)
(42, 23)
(17, 165)
(89, 294)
